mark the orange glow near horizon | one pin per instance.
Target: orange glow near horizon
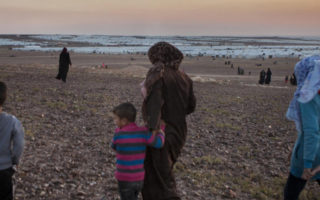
(166, 17)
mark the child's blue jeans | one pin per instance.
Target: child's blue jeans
(129, 190)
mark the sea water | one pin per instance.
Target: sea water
(236, 47)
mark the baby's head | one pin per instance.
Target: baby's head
(124, 114)
(3, 93)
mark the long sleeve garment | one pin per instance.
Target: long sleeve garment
(130, 144)
(11, 140)
(64, 60)
(169, 98)
(306, 153)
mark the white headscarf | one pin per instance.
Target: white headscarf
(307, 73)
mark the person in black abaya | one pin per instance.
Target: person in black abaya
(262, 77)
(293, 79)
(64, 62)
(268, 78)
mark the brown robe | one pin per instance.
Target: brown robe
(169, 98)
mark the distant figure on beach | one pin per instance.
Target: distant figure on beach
(304, 110)
(169, 98)
(293, 79)
(286, 79)
(64, 62)
(262, 77)
(11, 146)
(268, 78)
(240, 71)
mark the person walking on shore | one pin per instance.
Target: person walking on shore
(169, 97)
(64, 62)
(268, 78)
(262, 77)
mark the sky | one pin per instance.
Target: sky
(162, 17)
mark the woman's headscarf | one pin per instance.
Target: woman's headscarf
(64, 50)
(162, 55)
(165, 54)
(307, 73)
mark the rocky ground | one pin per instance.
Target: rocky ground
(237, 146)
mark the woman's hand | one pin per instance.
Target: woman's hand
(316, 170)
(161, 131)
(307, 174)
(155, 132)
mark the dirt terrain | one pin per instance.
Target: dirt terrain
(238, 138)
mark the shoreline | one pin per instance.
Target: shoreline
(201, 68)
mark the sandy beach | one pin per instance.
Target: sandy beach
(238, 138)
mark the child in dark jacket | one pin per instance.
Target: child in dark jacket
(130, 142)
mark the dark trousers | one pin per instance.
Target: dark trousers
(6, 192)
(129, 190)
(62, 74)
(293, 187)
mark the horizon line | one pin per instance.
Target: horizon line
(168, 35)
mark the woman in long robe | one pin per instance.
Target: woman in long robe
(268, 78)
(169, 98)
(64, 62)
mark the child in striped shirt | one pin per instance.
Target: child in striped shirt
(130, 142)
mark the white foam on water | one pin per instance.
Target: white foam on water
(5, 42)
(191, 45)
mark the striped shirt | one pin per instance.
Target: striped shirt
(130, 143)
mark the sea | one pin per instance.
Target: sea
(215, 46)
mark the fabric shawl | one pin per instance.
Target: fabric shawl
(307, 72)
